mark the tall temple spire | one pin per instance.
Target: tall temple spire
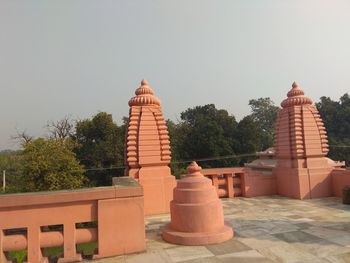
(147, 151)
(301, 146)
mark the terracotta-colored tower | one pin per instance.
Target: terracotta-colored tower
(301, 144)
(197, 216)
(147, 151)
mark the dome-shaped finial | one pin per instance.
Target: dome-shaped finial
(144, 96)
(194, 169)
(296, 97)
(144, 82)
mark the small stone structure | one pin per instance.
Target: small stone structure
(196, 212)
(147, 153)
(117, 210)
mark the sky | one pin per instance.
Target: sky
(76, 58)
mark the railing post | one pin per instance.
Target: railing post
(33, 240)
(215, 181)
(69, 244)
(3, 258)
(229, 185)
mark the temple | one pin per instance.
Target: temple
(147, 153)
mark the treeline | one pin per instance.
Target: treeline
(90, 152)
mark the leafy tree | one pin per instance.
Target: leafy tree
(10, 161)
(206, 132)
(336, 117)
(49, 164)
(264, 114)
(250, 137)
(101, 147)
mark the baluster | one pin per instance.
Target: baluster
(3, 258)
(69, 244)
(35, 254)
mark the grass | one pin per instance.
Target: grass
(86, 249)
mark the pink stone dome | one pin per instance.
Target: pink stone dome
(144, 96)
(296, 97)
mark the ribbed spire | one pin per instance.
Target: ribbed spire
(296, 97)
(144, 96)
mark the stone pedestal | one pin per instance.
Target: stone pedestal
(196, 212)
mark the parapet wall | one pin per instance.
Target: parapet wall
(340, 179)
(117, 211)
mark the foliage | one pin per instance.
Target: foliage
(204, 131)
(264, 114)
(49, 164)
(10, 161)
(336, 117)
(101, 145)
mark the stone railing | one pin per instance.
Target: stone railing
(34, 221)
(228, 181)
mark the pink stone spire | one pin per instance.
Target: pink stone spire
(301, 144)
(147, 151)
(144, 96)
(296, 97)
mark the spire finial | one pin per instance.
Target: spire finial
(194, 169)
(144, 96)
(296, 97)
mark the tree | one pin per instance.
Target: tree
(336, 117)
(61, 129)
(206, 132)
(250, 137)
(264, 114)
(10, 161)
(101, 147)
(49, 164)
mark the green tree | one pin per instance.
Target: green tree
(206, 132)
(264, 114)
(101, 147)
(10, 161)
(336, 117)
(250, 138)
(49, 164)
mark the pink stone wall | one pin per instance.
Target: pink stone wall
(340, 179)
(258, 184)
(118, 211)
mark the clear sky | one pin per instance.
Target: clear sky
(79, 57)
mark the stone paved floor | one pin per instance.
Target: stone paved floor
(267, 229)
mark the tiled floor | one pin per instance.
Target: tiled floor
(267, 229)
